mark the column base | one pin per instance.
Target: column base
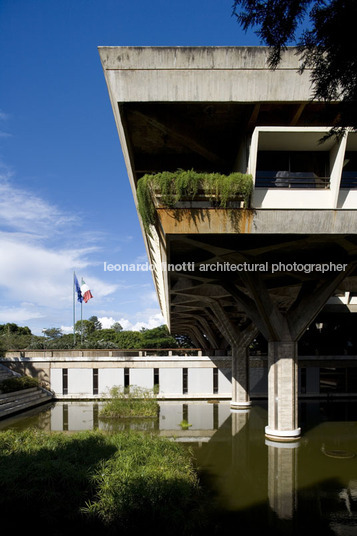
(282, 435)
(239, 406)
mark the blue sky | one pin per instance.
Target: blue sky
(65, 200)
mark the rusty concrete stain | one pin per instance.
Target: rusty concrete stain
(205, 220)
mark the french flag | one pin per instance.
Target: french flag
(86, 293)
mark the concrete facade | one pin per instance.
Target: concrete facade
(221, 109)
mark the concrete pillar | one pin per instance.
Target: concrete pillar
(240, 377)
(239, 340)
(282, 391)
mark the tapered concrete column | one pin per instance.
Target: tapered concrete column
(240, 378)
(282, 392)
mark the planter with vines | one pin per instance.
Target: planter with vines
(186, 189)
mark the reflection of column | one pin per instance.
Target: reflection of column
(65, 417)
(239, 420)
(240, 438)
(282, 478)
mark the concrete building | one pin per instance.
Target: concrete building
(221, 109)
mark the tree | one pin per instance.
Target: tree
(323, 31)
(52, 333)
(96, 322)
(157, 338)
(117, 327)
(14, 336)
(88, 327)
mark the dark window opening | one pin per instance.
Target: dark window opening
(184, 381)
(126, 377)
(156, 378)
(215, 380)
(95, 381)
(65, 381)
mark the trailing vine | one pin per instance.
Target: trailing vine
(174, 187)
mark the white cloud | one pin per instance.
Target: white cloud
(153, 319)
(67, 329)
(21, 210)
(18, 315)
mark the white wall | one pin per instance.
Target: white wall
(224, 381)
(56, 381)
(80, 381)
(142, 377)
(170, 381)
(108, 378)
(200, 380)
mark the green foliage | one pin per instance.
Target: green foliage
(49, 476)
(185, 185)
(130, 402)
(96, 322)
(14, 336)
(97, 483)
(53, 333)
(18, 383)
(157, 338)
(149, 482)
(185, 424)
(87, 325)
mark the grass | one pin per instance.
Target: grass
(98, 483)
(130, 402)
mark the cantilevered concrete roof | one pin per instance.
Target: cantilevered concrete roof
(197, 108)
(190, 107)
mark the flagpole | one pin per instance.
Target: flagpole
(74, 310)
(82, 321)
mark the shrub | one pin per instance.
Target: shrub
(130, 402)
(18, 383)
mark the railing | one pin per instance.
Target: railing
(87, 352)
(288, 179)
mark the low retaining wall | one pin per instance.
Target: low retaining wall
(90, 374)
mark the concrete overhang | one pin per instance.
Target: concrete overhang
(184, 107)
(196, 108)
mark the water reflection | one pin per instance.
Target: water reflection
(305, 487)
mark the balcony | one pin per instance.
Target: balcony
(294, 169)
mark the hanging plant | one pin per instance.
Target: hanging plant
(173, 187)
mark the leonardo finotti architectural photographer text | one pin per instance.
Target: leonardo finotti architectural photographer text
(266, 267)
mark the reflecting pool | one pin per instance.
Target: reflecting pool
(306, 487)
